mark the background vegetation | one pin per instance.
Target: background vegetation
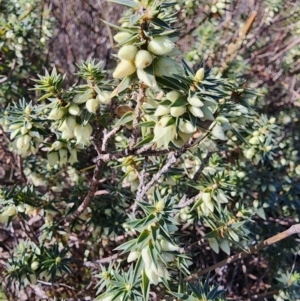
(247, 174)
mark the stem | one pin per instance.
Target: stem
(295, 229)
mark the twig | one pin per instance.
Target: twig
(295, 229)
(144, 151)
(87, 200)
(233, 47)
(294, 43)
(106, 136)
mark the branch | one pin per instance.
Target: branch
(295, 229)
(87, 200)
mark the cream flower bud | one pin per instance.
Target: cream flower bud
(187, 127)
(104, 97)
(199, 75)
(166, 246)
(74, 109)
(160, 46)
(24, 130)
(254, 140)
(173, 95)
(57, 145)
(91, 105)
(146, 256)
(123, 69)
(127, 52)
(206, 197)
(10, 211)
(26, 140)
(122, 36)
(196, 111)
(57, 113)
(160, 205)
(133, 255)
(143, 59)
(161, 110)
(153, 277)
(68, 124)
(34, 265)
(20, 142)
(177, 111)
(195, 102)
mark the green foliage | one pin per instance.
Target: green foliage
(187, 161)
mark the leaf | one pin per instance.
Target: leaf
(138, 269)
(146, 140)
(145, 286)
(224, 245)
(260, 212)
(144, 235)
(160, 23)
(213, 243)
(218, 132)
(126, 118)
(179, 102)
(123, 85)
(146, 124)
(187, 67)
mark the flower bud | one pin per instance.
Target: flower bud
(127, 52)
(122, 36)
(123, 69)
(153, 277)
(166, 246)
(254, 140)
(34, 265)
(206, 197)
(173, 95)
(196, 111)
(143, 59)
(10, 211)
(187, 127)
(214, 9)
(20, 142)
(160, 205)
(57, 113)
(177, 111)
(70, 123)
(146, 256)
(160, 46)
(74, 109)
(133, 255)
(195, 102)
(92, 105)
(162, 110)
(199, 75)
(104, 97)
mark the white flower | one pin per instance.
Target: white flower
(164, 134)
(195, 102)
(133, 255)
(104, 97)
(167, 246)
(196, 111)
(57, 113)
(161, 110)
(52, 158)
(177, 111)
(173, 95)
(83, 133)
(74, 109)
